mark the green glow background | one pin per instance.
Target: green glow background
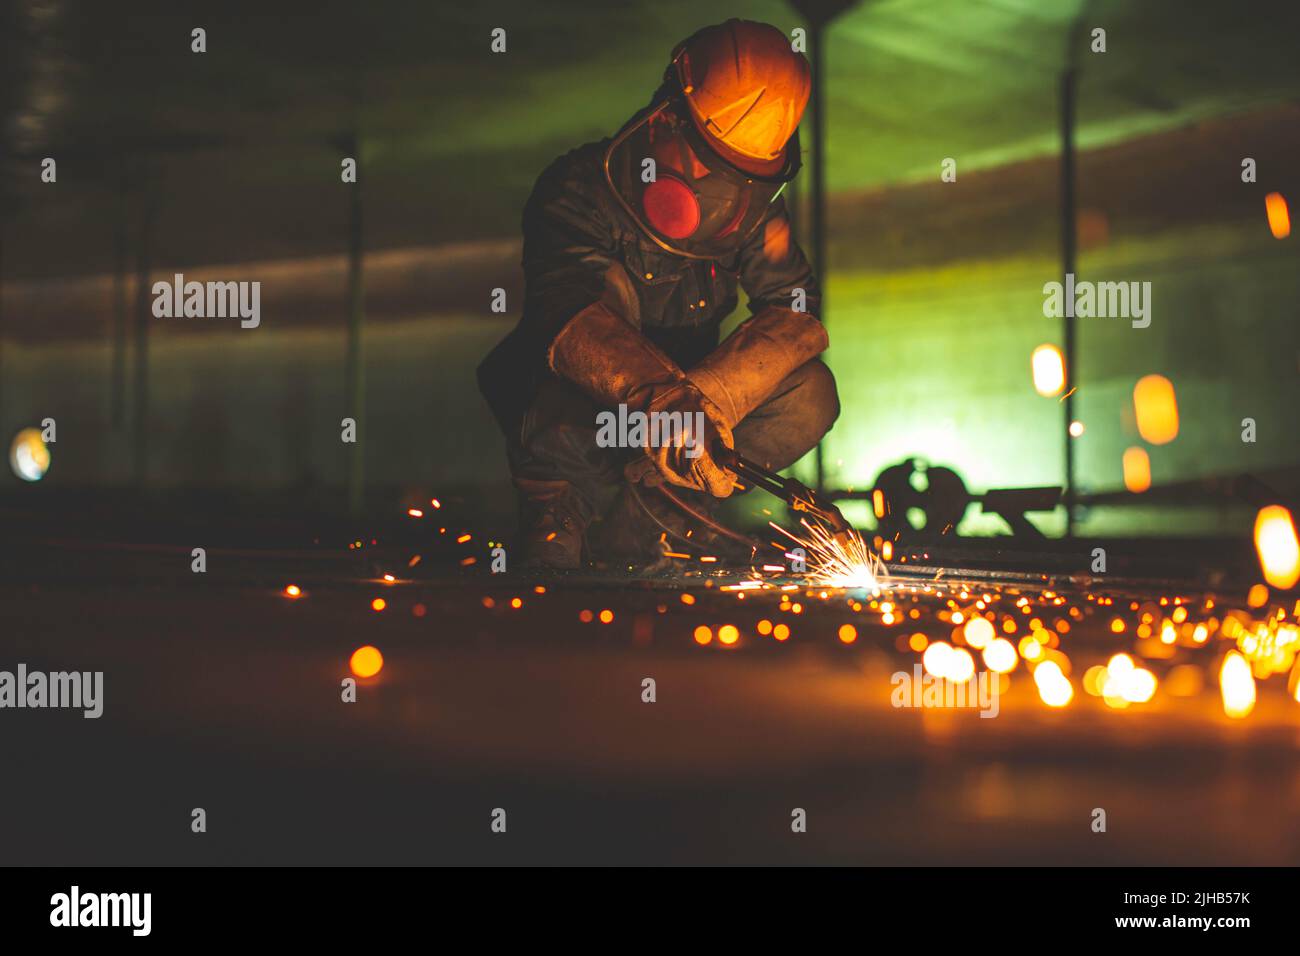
(934, 289)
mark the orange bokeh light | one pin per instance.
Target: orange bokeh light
(1137, 470)
(366, 661)
(1277, 546)
(1279, 218)
(1157, 409)
(379, 604)
(1048, 365)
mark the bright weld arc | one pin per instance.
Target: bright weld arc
(843, 562)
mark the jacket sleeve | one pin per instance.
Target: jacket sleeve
(568, 249)
(772, 266)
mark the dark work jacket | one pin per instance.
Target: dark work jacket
(581, 246)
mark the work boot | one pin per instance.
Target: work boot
(551, 525)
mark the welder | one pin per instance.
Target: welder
(634, 247)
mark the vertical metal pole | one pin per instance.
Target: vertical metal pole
(1068, 234)
(355, 382)
(817, 35)
(143, 314)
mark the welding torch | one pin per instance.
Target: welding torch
(790, 490)
(797, 495)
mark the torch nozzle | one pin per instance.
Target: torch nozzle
(793, 492)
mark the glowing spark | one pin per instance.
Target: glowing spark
(978, 633)
(961, 666)
(935, 659)
(1000, 656)
(1237, 685)
(1277, 546)
(1157, 409)
(1053, 686)
(29, 456)
(1279, 217)
(1048, 369)
(1137, 470)
(838, 561)
(366, 661)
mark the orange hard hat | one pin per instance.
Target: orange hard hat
(746, 89)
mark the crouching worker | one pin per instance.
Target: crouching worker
(633, 249)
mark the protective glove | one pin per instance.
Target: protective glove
(743, 371)
(614, 364)
(687, 461)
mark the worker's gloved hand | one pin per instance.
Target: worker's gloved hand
(681, 444)
(610, 360)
